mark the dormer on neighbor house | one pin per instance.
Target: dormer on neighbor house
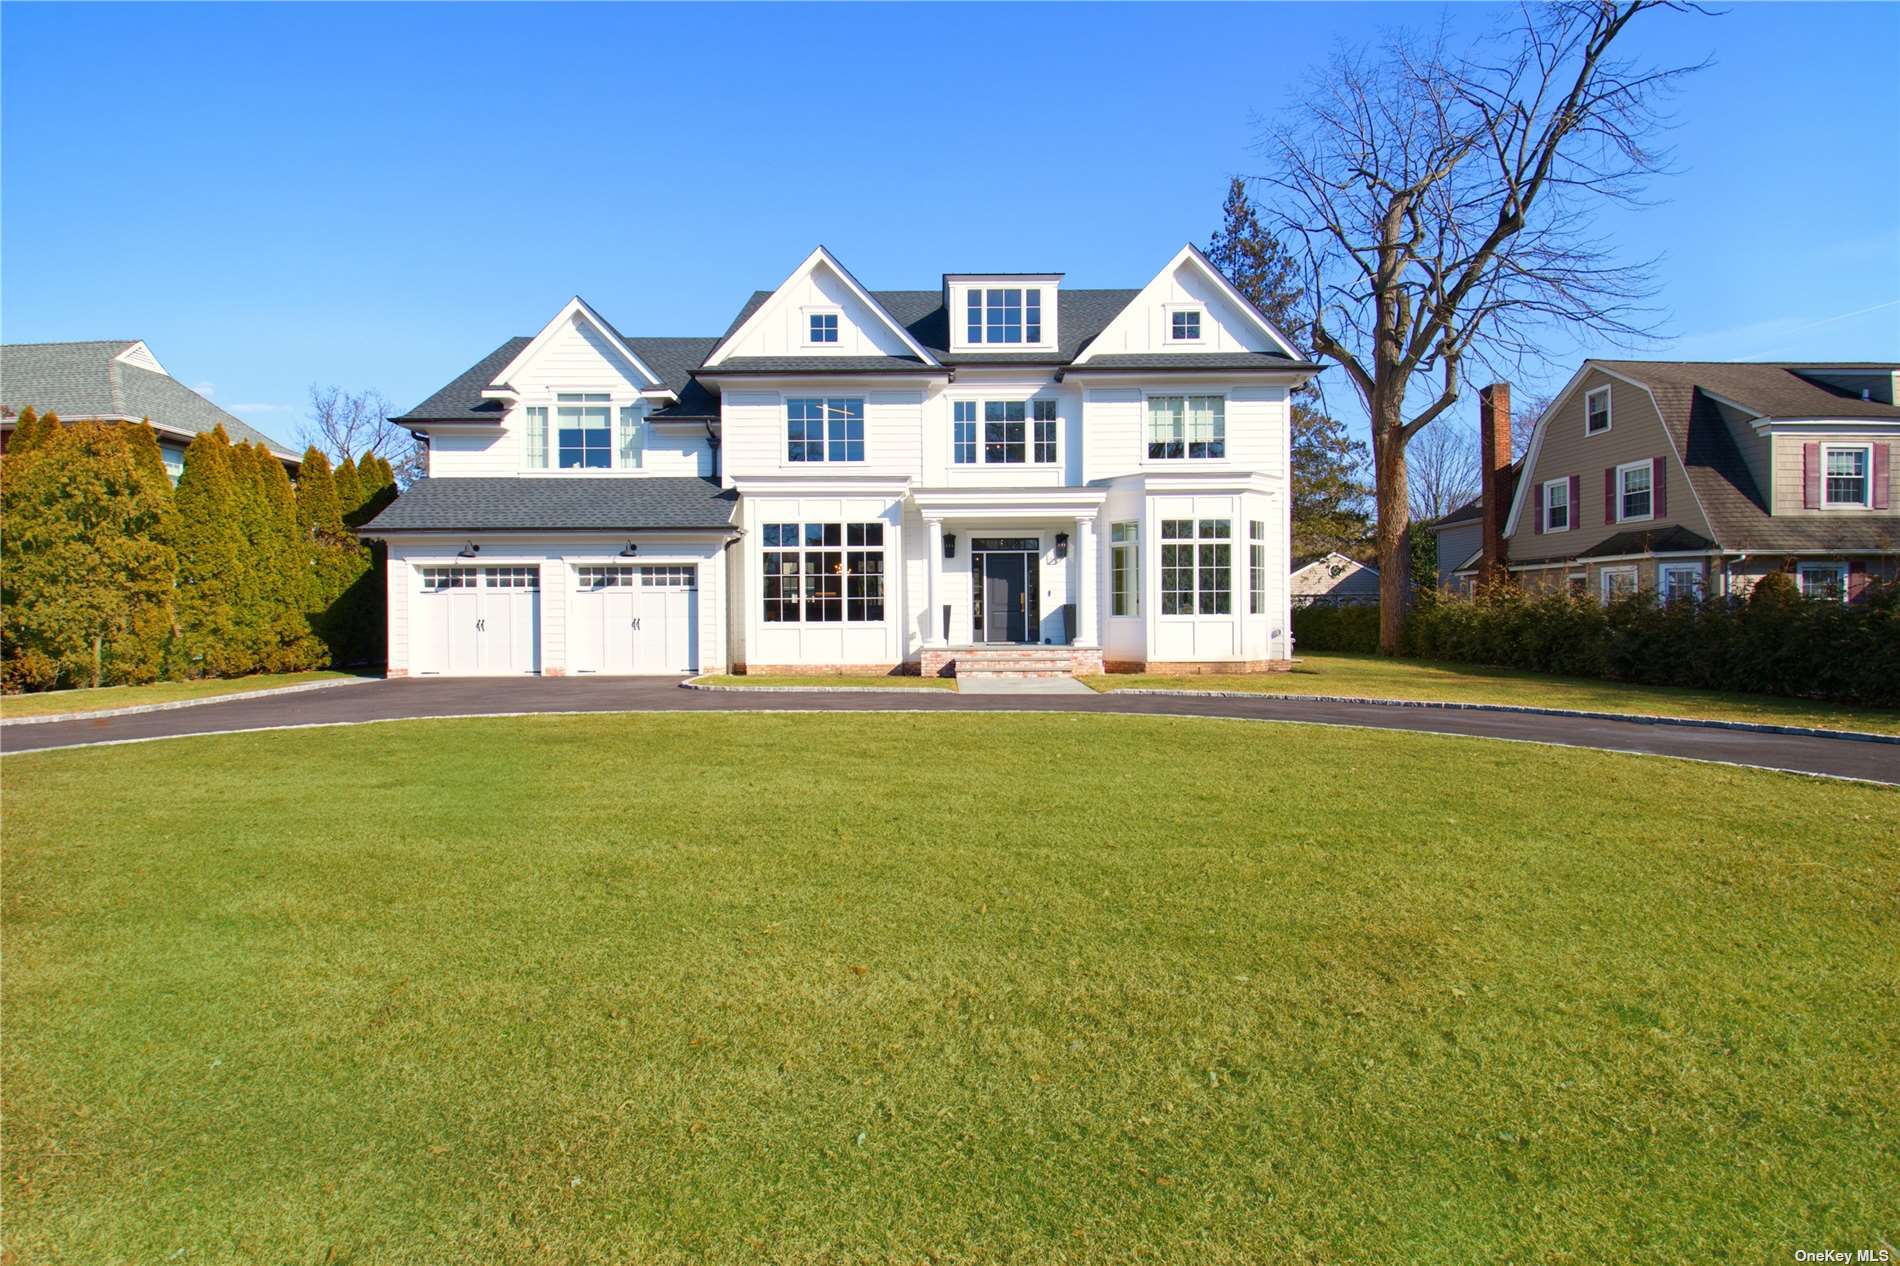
(1003, 312)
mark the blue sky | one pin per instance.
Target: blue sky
(375, 196)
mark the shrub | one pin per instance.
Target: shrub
(1337, 628)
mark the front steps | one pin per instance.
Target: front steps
(1007, 660)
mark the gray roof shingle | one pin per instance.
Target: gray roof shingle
(556, 504)
(86, 380)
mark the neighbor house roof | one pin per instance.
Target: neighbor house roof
(1472, 511)
(87, 380)
(555, 503)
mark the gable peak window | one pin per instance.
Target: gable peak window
(1596, 411)
(822, 327)
(1003, 314)
(1184, 325)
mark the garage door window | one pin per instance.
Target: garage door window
(512, 577)
(668, 577)
(442, 579)
(607, 577)
(824, 573)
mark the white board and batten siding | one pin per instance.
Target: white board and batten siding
(878, 643)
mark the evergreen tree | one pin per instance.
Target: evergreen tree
(336, 560)
(1330, 495)
(349, 488)
(285, 562)
(251, 605)
(209, 545)
(29, 430)
(88, 560)
(319, 513)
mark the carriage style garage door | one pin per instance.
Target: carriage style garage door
(635, 619)
(476, 621)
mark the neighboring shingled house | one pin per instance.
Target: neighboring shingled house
(1332, 579)
(116, 380)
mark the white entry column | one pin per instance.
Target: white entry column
(934, 634)
(1085, 589)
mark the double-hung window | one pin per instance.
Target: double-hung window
(1005, 432)
(824, 573)
(1256, 566)
(536, 437)
(1634, 491)
(1187, 427)
(963, 432)
(1679, 582)
(583, 430)
(1557, 506)
(1003, 314)
(1124, 569)
(1197, 566)
(1617, 582)
(824, 430)
(1844, 471)
(629, 436)
(1826, 581)
(1043, 417)
(1596, 411)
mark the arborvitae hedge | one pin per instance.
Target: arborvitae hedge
(1337, 628)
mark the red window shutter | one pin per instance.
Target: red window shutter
(1659, 482)
(1856, 579)
(1576, 503)
(1537, 522)
(1883, 474)
(1811, 476)
(1609, 494)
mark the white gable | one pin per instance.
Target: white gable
(782, 324)
(140, 355)
(1189, 285)
(575, 341)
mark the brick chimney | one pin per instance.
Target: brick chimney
(1494, 469)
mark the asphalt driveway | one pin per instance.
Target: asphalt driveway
(434, 697)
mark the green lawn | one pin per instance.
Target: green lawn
(821, 682)
(948, 988)
(47, 702)
(1377, 677)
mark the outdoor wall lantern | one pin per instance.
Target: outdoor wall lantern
(1062, 544)
(630, 551)
(469, 550)
(949, 544)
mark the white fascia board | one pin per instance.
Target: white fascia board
(1189, 377)
(573, 307)
(937, 503)
(819, 256)
(1867, 426)
(1208, 482)
(1192, 253)
(820, 486)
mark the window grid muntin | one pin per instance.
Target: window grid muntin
(1044, 437)
(1187, 428)
(1005, 432)
(1850, 485)
(536, 437)
(593, 576)
(669, 576)
(1823, 581)
(1185, 326)
(1003, 314)
(1256, 566)
(1679, 581)
(511, 577)
(824, 573)
(823, 327)
(442, 579)
(828, 429)
(963, 451)
(1596, 406)
(1197, 567)
(1635, 492)
(583, 430)
(1554, 506)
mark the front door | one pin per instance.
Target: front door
(1006, 597)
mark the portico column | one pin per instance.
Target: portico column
(933, 582)
(1085, 590)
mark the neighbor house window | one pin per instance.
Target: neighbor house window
(584, 430)
(1124, 569)
(1596, 411)
(1844, 470)
(1003, 314)
(1187, 426)
(1557, 506)
(1043, 414)
(1256, 567)
(1633, 491)
(824, 573)
(963, 433)
(1618, 582)
(1197, 566)
(1005, 431)
(824, 430)
(1823, 580)
(537, 439)
(823, 327)
(1679, 582)
(1185, 327)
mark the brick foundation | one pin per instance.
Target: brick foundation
(1088, 663)
(554, 672)
(395, 672)
(935, 663)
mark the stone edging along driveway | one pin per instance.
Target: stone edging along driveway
(1639, 718)
(138, 708)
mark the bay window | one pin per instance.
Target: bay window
(1196, 566)
(824, 573)
(1193, 427)
(1256, 567)
(824, 430)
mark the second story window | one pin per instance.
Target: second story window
(1634, 491)
(1557, 506)
(963, 433)
(1003, 314)
(1005, 432)
(1845, 482)
(1187, 427)
(536, 438)
(824, 430)
(1043, 412)
(584, 430)
(824, 327)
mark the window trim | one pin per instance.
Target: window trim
(787, 462)
(1663, 571)
(1197, 311)
(845, 549)
(1836, 569)
(1130, 547)
(1194, 544)
(1570, 511)
(1184, 395)
(1648, 466)
(981, 293)
(1866, 451)
(812, 313)
(1608, 419)
(584, 401)
(1603, 581)
(979, 405)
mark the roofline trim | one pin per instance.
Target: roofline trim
(573, 306)
(819, 255)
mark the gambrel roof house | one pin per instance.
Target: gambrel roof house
(116, 380)
(1002, 473)
(1333, 578)
(1695, 476)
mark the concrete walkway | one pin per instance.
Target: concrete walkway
(436, 697)
(1021, 686)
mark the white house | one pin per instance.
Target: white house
(909, 480)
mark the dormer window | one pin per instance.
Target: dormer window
(1003, 314)
(822, 328)
(583, 429)
(1184, 325)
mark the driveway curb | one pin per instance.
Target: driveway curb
(137, 709)
(1450, 705)
(694, 683)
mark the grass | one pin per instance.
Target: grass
(821, 682)
(47, 702)
(1378, 677)
(950, 988)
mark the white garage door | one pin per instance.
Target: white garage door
(476, 621)
(635, 619)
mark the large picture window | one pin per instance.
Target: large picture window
(824, 430)
(824, 573)
(1187, 427)
(1005, 432)
(1197, 573)
(1256, 567)
(1124, 569)
(1003, 314)
(584, 430)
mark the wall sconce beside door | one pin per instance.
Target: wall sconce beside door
(949, 544)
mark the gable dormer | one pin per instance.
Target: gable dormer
(1001, 312)
(818, 311)
(1190, 308)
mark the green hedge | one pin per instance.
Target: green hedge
(1340, 628)
(1774, 642)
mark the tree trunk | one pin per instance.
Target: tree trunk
(1395, 558)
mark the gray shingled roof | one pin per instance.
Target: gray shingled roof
(1665, 540)
(555, 504)
(461, 400)
(85, 380)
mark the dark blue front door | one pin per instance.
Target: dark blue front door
(1006, 598)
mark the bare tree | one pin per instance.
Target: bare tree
(1526, 412)
(349, 424)
(1441, 469)
(1442, 203)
